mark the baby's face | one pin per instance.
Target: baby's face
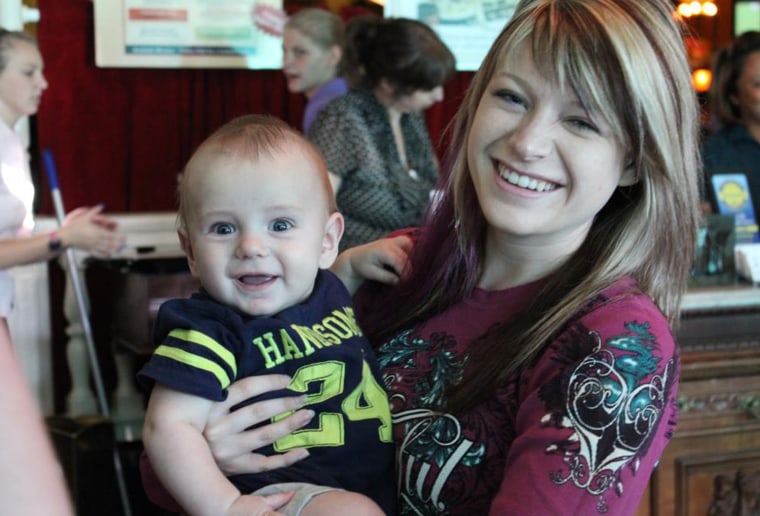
(260, 229)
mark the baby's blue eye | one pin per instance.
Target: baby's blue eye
(281, 225)
(222, 228)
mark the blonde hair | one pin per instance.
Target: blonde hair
(7, 39)
(626, 60)
(323, 28)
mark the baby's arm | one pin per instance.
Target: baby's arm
(173, 440)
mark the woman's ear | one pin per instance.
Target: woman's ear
(336, 54)
(331, 240)
(630, 175)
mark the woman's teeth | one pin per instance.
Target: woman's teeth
(525, 181)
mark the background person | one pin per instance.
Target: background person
(735, 103)
(31, 479)
(313, 42)
(374, 139)
(258, 223)
(528, 349)
(22, 83)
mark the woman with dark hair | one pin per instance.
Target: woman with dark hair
(374, 139)
(735, 105)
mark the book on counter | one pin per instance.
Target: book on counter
(732, 197)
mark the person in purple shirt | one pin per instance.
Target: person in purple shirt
(313, 42)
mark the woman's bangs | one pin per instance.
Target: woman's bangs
(568, 49)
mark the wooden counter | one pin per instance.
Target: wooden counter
(712, 465)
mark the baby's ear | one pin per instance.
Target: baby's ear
(187, 247)
(331, 240)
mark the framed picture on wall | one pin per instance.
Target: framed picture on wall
(468, 28)
(185, 34)
(746, 16)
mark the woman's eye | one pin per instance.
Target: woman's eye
(222, 228)
(281, 225)
(583, 125)
(510, 97)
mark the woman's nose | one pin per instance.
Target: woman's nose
(531, 139)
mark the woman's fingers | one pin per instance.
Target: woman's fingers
(253, 386)
(253, 505)
(233, 446)
(277, 501)
(229, 440)
(386, 261)
(107, 244)
(221, 420)
(88, 229)
(255, 462)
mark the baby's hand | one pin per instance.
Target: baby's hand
(252, 505)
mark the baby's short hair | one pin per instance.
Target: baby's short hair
(250, 136)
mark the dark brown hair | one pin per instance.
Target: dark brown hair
(406, 53)
(727, 68)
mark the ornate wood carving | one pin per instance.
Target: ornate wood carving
(748, 402)
(737, 495)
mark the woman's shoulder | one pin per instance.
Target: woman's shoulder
(354, 100)
(621, 301)
(726, 135)
(621, 323)
(352, 109)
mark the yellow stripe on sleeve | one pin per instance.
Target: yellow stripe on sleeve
(195, 361)
(204, 340)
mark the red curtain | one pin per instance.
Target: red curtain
(120, 135)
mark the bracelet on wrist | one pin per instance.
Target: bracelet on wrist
(54, 242)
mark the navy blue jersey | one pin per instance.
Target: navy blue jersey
(204, 346)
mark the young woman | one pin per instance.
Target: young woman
(735, 102)
(374, 139)
(527, 348)
(22, 83)
(313, 42)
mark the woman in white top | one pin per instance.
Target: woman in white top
(21, 85)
